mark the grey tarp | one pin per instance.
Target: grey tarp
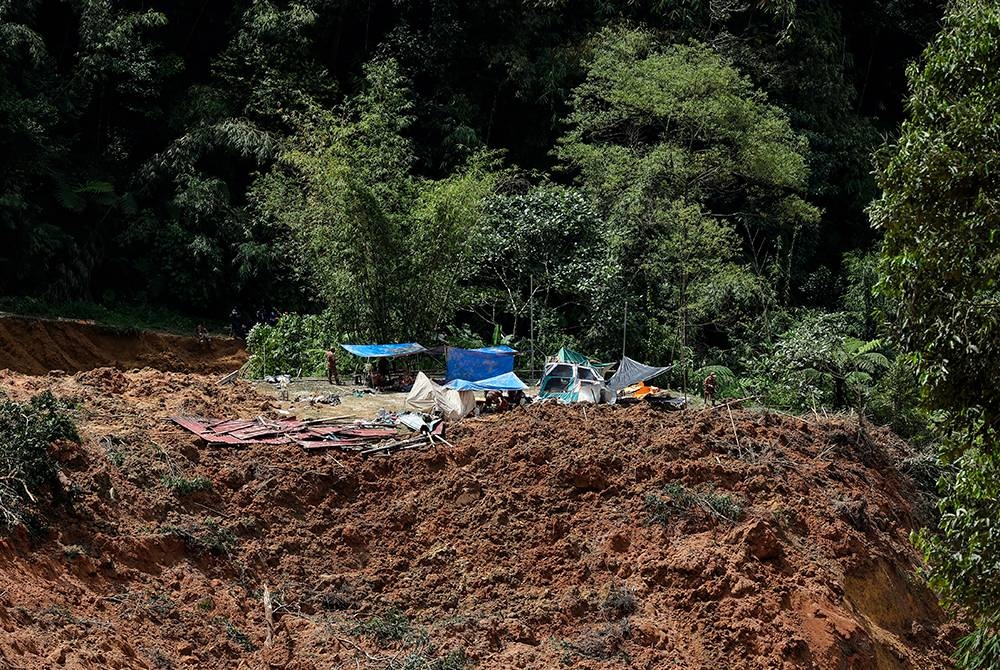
(632, 372)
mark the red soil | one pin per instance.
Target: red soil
(526, 545)
(36, 346)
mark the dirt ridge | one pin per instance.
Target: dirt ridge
(530, 544)
(36, 346)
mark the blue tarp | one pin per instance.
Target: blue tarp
(475, 364)
(505, 382)
(498, 349)
(383, 350)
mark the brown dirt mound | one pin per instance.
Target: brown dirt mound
(530, 544)
(37, 346)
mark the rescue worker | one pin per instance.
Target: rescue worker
(331, 368)
(202, 333)
(708, 387)
(495, 400)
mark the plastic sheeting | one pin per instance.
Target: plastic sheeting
(476, 364)
(384, 350)
(430, 398)
(498, 349)
(505, 382)
(565, 355)
(632, 372)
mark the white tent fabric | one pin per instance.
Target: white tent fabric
(632, 372)
(428, 397)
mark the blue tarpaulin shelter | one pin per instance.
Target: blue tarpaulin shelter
(384, 350)
(505, 382)
(475, 364)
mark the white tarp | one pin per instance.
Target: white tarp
(428, 397)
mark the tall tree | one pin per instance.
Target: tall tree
(685, 158)
(941, 257)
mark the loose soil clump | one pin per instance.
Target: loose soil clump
(552, 536)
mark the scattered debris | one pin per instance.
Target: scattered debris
(365, 437)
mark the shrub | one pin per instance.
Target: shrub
(186, 485)
(680, 500)
(26, 432)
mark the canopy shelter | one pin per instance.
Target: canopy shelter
(574, 382)
(632, 372)
(566, 355)
(505, 382)
(384, 350)
(430, 398)
(476, 364)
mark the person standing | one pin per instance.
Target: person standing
(331, 367)
(708, 387)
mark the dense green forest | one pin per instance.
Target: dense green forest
(429, 168)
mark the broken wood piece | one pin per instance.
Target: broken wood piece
(393, 446)
(228, 379)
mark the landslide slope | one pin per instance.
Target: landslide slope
(597, 537)
(36, 346)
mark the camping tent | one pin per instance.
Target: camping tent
(505, 382)
(428, 397)
(632, 372)
(476, 364)
(574, 382)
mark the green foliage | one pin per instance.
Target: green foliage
(686, 157)
(206, 537)
(392, 626)
(939, 264)
(385, 247)
(186, 485)
(818, 363)
(295, 345)
(27, 430)
(680, 500)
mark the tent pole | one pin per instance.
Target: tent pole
(624, 328)
(531, 327)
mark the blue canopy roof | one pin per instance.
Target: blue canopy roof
(505, 382)
(498, 349)
(475, 364)
(384, 350)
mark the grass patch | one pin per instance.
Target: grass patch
(237, 635)
(186, 485)
(124, 319)
(677, 500)
(392, 626)
(208, 537)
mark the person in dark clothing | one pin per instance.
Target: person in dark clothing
(236, 323)
(331, 367)
(202, 334)
(709, 387)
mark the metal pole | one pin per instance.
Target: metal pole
(531, 311)
(624, 328)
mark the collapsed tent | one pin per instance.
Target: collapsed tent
(476, 364)
(505, 382)
(574, 382)
(632, 372)
(384, 350)
(431, 398)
